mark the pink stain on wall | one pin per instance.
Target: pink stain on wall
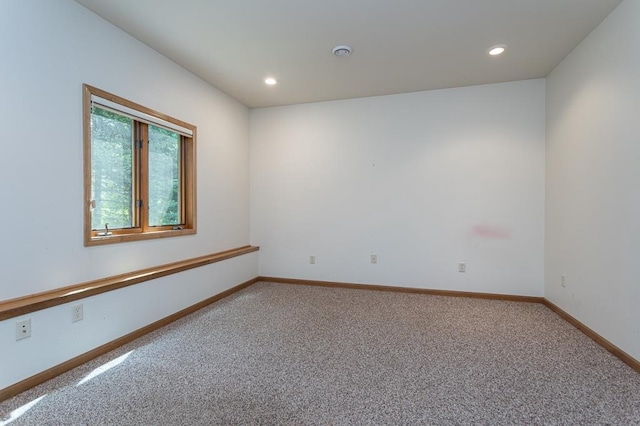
(490, 232)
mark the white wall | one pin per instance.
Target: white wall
(593, 175)
(423, 180)
(49, 48)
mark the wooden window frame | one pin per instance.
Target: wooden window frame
(141, 229)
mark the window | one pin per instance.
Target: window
(139, 171)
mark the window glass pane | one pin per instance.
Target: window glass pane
(164, 177)
(112, 169)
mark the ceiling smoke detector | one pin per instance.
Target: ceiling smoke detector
(342, 51)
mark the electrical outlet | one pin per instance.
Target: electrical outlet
(563, 280)
(374, 258)
(462, 267)
(312, 260)
(76, 313)
(23, 329)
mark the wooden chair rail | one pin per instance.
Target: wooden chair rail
(35, 302)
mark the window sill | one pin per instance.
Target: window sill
(123, 238)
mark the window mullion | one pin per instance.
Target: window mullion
(142, 206)
(183, 185)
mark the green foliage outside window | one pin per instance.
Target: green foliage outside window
(112, 169)
(164, 177)
(113, 172)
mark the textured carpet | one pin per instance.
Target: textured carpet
(285, 354)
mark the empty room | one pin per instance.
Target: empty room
(320, 212)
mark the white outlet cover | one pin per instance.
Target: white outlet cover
(76, 313)
(23, 329)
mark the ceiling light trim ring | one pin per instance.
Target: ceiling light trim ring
(497, 50)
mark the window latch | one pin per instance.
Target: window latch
(106, 231)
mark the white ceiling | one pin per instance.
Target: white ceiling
(398, 45)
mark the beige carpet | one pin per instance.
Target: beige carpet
(285, 354)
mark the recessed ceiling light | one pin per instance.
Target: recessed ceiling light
(342, 51)
(270, 81)
(497, 50)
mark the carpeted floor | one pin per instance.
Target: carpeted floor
(286, 354)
